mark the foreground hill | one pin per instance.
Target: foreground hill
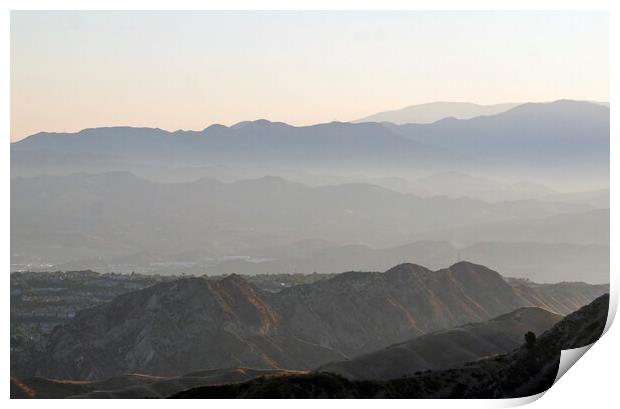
(194, 324)
(527, 371)
(456, 346)
(447, 348)
(133, 385)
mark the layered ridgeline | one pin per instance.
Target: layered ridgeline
(571, 133)
(195, 324)
(529, 370)
(451, 348)
(119, 222)
(76, 202)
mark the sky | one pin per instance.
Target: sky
(188, 70)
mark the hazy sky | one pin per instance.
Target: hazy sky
(187, 70)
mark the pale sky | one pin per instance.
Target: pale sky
(187, 70)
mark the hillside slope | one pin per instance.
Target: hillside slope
(524, 372)
(447, 348)
(132, 386)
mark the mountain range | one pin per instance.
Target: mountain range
(570, 134)
(194, 324)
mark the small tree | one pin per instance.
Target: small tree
(530, 339)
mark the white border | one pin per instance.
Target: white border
(591, 383)
(451, 5)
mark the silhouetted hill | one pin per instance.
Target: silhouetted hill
(194, 324)
(248, 142)
(527, 371)
(447, 348)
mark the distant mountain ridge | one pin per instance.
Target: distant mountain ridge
(557, 132)
(253, 141)
(435, 111)
(533, 134)
(196, 324)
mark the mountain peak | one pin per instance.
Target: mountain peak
(234, 279)
(407, 269)
(215, 127)
(263, 123)
(467, 266)
(475, 273)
